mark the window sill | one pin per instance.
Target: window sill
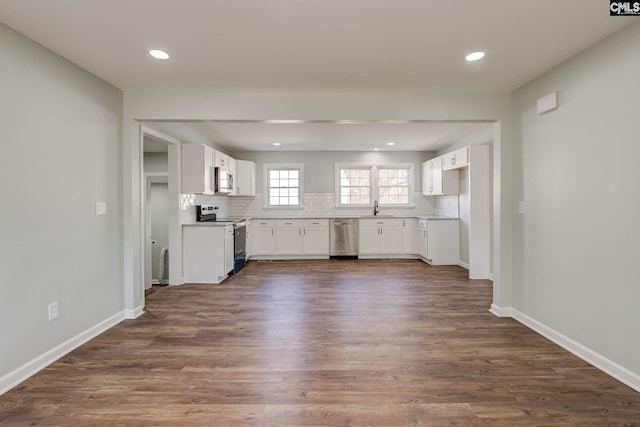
(282, 208)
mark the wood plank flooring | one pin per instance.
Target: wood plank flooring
(322, 343)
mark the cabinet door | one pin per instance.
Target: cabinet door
(427, 186)
(228, 249)
(456, 159)
(208, 170)
(263, 241)
(197, 169)
(245, 178)
(234, 182)
(369, 240)
(436, 175)
(422, 243)
(410, 236)
(316, 240)
(289, 241)
(391, 240)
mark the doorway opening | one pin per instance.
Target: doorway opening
(161, 235)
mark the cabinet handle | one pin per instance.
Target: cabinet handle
(299, 232)
(272, 231)
(305, 231)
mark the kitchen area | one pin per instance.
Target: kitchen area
(441, 219)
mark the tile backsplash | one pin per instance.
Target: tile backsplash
(315, 204)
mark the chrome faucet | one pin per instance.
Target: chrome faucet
(376, 208)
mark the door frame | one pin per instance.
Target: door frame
(174, 169)
(150, 178)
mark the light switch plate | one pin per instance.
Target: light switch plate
(53, 310)
(521, 206)
(101, 208)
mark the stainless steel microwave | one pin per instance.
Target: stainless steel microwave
(222, 181)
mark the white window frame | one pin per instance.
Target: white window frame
(267, 167)
(338, 186)
(374, 183)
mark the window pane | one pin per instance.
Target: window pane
(284, 187)
(393, 186)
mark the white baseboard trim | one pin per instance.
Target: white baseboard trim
(18, 375)
(491, 276)
(501, 311)
(133, 314)
(463, 265)
(606, 365)
(155, 282)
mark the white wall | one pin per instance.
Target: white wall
(60, 139)
(319, 166)
(156, 162)
(577, 247)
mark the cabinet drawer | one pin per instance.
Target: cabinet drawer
(263, 222)
(316, 222)
(284, 223)
(386, 222)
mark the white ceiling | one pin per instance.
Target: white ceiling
(314, 45)
(323, 136)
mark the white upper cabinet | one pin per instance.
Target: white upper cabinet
(436, 181)
(456, 159)
(245, 178)
(222, 160)
(197, 169)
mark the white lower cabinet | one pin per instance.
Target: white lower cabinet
(410, 236)
(263, 237)
(207, 253)
(290, 238)
(439, 241)
(315, 236)
(229, 239)
(380, 236)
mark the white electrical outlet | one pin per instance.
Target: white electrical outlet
(521, 206)
(101, 208)
(53, 310)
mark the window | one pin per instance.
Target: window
(360, 185)
(393, 186)
(283, 185)
(355, 186)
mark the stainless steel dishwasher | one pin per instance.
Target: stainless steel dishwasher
(343, 238)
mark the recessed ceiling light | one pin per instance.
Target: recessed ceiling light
(391, 143)
(474, 56)
(276, 143)
(159, 54)
(376, 149)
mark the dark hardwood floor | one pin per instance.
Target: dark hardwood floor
(322, 343)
